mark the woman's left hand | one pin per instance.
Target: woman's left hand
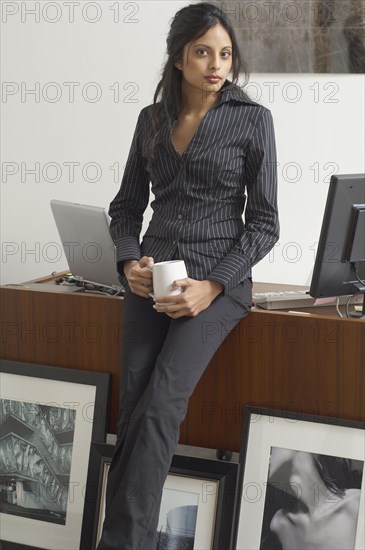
(196, 296)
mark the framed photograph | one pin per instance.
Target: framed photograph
(196, 509)
(309, 37)
(48, 418)
(300, 482)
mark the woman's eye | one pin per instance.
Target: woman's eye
(202, 52)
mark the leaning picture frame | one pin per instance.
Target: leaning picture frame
(198, 491)
(300, 482)
(48, 417)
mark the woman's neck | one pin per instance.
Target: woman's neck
(198, 102)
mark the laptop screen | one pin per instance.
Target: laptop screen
(86, 241)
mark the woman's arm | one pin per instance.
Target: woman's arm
(261, 216)
(127, 208)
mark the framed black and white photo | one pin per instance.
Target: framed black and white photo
(197, 505)
(322, 36)
(48, 417)
(300, 482)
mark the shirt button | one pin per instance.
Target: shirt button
(179, 217)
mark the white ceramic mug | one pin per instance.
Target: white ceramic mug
(164, 274)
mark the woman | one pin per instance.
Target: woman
(322, 506)
(202, 144)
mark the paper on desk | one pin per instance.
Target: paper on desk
(321, 301)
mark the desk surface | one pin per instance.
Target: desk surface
(324, 311)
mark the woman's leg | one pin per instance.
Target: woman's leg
(144, 332)
(153, 430)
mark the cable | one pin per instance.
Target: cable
(120, 292)
(349, 302)
(338, 306)
(348, 305)
(357, 274)
(101, 289)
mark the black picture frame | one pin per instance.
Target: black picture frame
(222, 472)
(284, 462)
(48, 416)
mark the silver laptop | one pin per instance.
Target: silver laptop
(88, 246)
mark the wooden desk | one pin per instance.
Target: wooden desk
(312, 364)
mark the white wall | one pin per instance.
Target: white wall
(319, 134)
(318, 120)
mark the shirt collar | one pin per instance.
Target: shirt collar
(230, 91)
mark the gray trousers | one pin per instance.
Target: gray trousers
(162, 362)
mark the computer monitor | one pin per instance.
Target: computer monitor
(339, 267)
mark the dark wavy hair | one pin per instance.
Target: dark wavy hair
(188, 24)
(337, 474)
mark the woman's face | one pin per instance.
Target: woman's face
(206, 61)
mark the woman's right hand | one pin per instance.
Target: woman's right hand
(139, 275)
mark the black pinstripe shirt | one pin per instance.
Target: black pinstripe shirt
(199, 197)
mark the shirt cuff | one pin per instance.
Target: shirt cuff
(228, 279)
(220, 280)
(127, 248)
